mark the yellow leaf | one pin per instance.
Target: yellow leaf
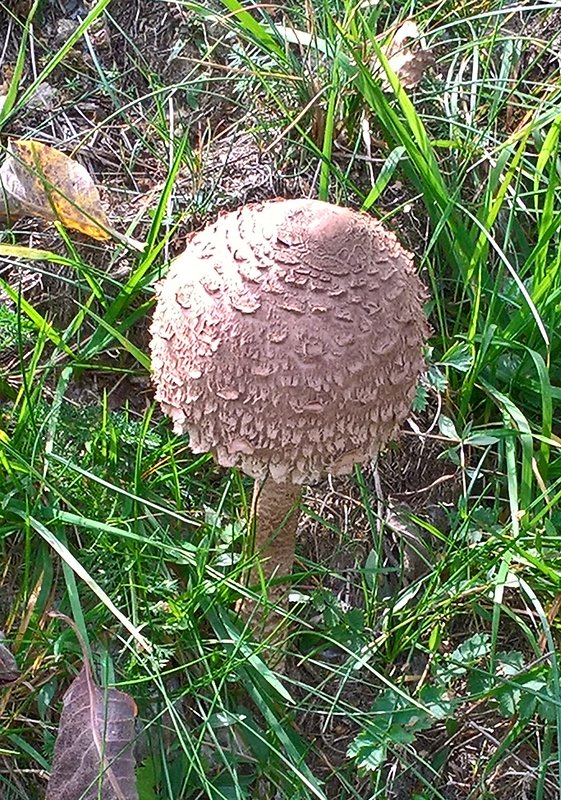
(39, 180)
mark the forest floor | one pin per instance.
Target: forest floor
(423, 637)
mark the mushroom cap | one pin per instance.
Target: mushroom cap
(287, 339)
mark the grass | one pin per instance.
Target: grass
(444, 686)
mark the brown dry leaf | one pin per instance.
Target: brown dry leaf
(8, 668)
(39, 180)
(93, 758)
(408, 64)
(93, 755)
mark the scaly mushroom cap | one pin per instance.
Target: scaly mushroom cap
(287, 339)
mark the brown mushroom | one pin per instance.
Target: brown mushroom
(287, 341)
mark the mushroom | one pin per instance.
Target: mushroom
(287, 340)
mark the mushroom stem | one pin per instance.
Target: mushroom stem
(275, 513)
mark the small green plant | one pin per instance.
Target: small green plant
(393, 721)
(14, 330)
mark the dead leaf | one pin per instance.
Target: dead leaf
(39, 180)
(93, 758)
(8, 668)
(93, 752)
(408, 63)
